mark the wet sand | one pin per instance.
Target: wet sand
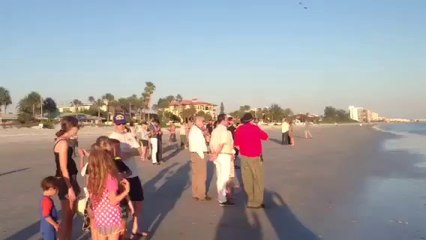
(339, 185)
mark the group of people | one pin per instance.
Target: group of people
(221, 147)
(287, 131)
(114, 190)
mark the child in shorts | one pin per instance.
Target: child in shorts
(49, 224)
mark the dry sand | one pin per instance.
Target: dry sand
(339, 185)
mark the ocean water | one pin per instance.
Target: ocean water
(410, 128)
(393, 208)
(412, 138)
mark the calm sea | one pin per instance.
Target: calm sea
(416, 128)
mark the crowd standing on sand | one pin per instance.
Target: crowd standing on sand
(113, 187)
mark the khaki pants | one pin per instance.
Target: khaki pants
(199, 176)
(253, 179)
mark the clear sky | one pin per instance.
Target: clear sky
(256, 52)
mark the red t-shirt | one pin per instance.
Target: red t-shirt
(47, 206)
(248, 138)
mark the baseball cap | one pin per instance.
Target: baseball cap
(119, 119)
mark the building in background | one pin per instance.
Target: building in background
(76, 109)
(177, 107)
(362, 114)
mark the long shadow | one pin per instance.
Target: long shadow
(13, 171)
(163, 200)
(172, 154)
(211, 168)
(284, 222)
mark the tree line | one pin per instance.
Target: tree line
(33, 106)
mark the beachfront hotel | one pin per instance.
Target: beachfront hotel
(177, 107)
(361, 114)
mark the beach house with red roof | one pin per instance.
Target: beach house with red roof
(177, 107)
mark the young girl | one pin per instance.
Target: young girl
(103, 187)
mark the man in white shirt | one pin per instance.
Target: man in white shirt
(285, 127)
(222, 151)
(130, 150)
(198, 149)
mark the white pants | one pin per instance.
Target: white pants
(154, 150)
(223, 171)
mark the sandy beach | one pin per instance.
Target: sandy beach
(341, 185)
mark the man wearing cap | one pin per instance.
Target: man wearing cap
(130, 148)
(198, 149)
(222, 153)
(248, 139)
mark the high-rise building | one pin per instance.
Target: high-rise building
(356, 113)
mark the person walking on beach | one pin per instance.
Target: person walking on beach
(291, 133)
(222, 153)
(285, 128)
(66, 174)
(307, 129)
(248, 138)
(130, 149)
(198, 149)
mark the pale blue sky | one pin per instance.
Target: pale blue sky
(256, 52)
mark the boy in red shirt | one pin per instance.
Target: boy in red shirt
(49, 217)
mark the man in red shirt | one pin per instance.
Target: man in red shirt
(248, 139)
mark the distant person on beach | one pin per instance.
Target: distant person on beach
(199, 150)
(285, 128)
(49, 225)
(143, 135)
(248, 138)
(291, 133)
(222, 153)
(154, 132)
(66, 174)
(182, 134)
(307, 129)
(172, 137)
(130, 149)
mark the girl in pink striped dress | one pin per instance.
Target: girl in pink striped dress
(105, 199)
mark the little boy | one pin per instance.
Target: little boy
(49, 217)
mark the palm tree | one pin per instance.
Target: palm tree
(5, 99)
(97, 104)
(29, 105)
(76, 103)
(108, 99)
(147, 96)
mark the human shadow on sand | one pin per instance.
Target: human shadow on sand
(238, 222)
(162, 199)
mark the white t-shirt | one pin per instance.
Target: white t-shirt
(285, 127)
(127, 144)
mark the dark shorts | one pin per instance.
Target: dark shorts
(63, 189)
(136, 190)
(144, 143)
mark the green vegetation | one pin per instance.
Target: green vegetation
(333, 115)
(5, 99)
